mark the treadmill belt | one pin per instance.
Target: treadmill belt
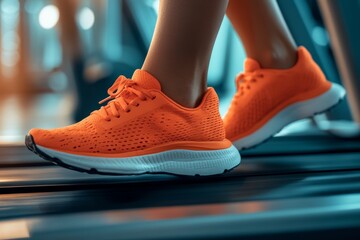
(268, 197)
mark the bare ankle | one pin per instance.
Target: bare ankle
(280, 58)
(188, 96)
(185, 88)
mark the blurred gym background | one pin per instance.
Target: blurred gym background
(57, 59)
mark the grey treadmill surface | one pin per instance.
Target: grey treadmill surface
(296, 193)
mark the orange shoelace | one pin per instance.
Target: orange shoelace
(122, 94)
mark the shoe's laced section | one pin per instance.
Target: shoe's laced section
(120, 95)
(244, 80)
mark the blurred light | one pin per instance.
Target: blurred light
(86, 18)
(49, 16)
(10, 41)
(319, 36)
(155, 6)
(10, 6)
(14, 229)
(11, 124)
(58, 81)
(10, 58)
(9, 20)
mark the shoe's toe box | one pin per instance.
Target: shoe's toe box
(68, 139)
(42, 137)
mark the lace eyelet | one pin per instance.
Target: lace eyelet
(153, 98)
(137, 105)
(128, 111)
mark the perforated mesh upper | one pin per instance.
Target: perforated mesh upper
(165, 124)
(257, 100)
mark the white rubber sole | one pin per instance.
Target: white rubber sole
(291, 114)
(179, 162)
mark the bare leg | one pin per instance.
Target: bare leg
(263, 32)
(181, 47)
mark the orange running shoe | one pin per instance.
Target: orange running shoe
(139, 131)
(269, 99)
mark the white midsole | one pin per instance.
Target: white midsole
(180, 161)
(293, 113)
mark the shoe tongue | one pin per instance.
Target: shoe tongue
(251, 65)
(146, 80)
